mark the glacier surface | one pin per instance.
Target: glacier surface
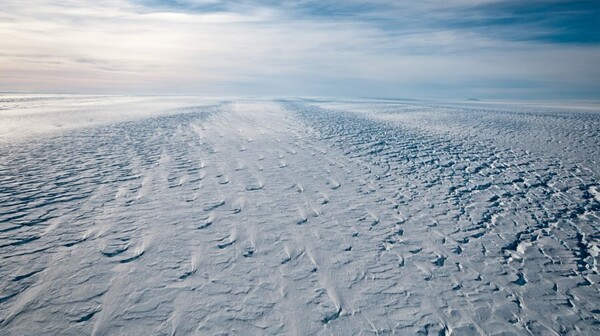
(185, 215)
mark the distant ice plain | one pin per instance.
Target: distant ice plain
(201, 216)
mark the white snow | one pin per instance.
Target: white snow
(183, 215)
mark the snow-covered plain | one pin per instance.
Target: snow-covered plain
(182, 215)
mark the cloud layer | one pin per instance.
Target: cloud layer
(429, 49)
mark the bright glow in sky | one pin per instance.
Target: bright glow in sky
(419, 49)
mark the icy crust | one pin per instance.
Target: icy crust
(269, 218)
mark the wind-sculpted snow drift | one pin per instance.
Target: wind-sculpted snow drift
(148, 216)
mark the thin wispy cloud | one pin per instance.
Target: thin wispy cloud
(451, 49)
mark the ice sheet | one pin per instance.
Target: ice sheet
(154, 216)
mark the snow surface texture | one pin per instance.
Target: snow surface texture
(175, 216)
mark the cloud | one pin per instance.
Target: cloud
(350, 48)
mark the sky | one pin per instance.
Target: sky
(453, 49)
